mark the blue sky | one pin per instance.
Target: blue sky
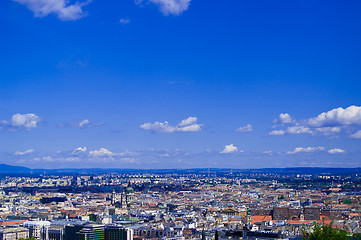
(180, 83)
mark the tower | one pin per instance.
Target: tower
(249, 216)
(123, 200)
(114, 197)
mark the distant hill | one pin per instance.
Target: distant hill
(4, 168)
(17, 170)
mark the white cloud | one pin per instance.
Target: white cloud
(102, 152)
(338, 117)
(336, 150)
(53, 159)
(268, 152)
(328, 130)
(85, 123)
(327, 123)
(169, 7)
(356, 135)
(19, 153)
(298, 130)
(306, 150)
(187, 125)
(247, 128)
(79, 150)
(229, 149)
(188, 121)
(26, 121)
(61, 8)
(70, 159)
(158, 127)
(284, 118)
(124, 21)
(277, 132)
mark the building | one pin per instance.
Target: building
(7, 222)
(55, 234)
(113, 232)
(14, 233)
(312, 213)
(56, 199)
(37, 229)
(148, 232)
(91, 232)
(280, 213)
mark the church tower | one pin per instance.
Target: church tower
(114, 197)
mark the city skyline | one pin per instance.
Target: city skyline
(180, 84)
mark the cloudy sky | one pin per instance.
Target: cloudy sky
(180, 83)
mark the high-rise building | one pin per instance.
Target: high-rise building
(84, 231)
(113, 232)
(91, 232)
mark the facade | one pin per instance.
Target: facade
(280, 213)
(312, 213)
(147, 232)
(81, 231)
(14, 233)
(37, 229)
(55, 234)
(118, 233)
(71, 230)
(92, 233)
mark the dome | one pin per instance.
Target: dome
(129, 189)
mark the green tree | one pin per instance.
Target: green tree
(327, 232)
(92, 217)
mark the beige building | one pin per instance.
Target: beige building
(14, 233)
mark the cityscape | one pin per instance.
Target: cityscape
(189, 204)
(180, 119)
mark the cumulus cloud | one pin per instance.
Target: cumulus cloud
(327, 123)
(291, 130)
(247, 128)
(169, 7)
(356, 135)
(336, 150)
(337, 117)
(21, 121)
(277, 132)
(79, 150)
(19, 153)
(80, 157)
(61, 8)
(306, 150)
(229, 149)
(102, 152)
(284, 118)
(26, 121)
(298, 130)
(188, 121)
(187, 125)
